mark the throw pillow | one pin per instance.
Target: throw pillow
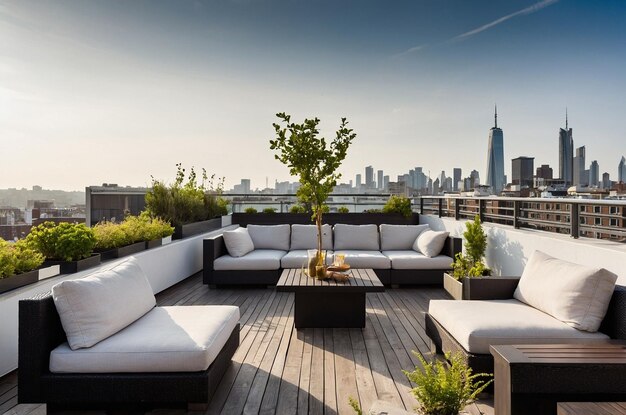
(238, 242)
(430, 243)
(358, 237)
(399, 237)
(574, 294)
(270, 236)
(305, 237)
(103, 303)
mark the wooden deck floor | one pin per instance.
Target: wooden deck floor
(280, 370)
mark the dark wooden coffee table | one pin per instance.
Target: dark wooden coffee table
(532, 378)
(329, 303)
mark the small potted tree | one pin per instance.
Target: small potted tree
(315, 162)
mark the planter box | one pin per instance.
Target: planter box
(190, 229)
(72, 267)
(245, 219)
(122, 251)
(166, 240)
(154, 243)
(19, 280)
(480, 288)
(48, 272)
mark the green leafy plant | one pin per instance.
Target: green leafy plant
(372, 211)
(443, 389)
(355, 405)
(313, 160)
(269, 210)
(250, 210)
(17, 258)
(64, 242)
(398, 204)
(470, 263)
(186, 201)
(343, 209)
(110, 235)
(298, 209)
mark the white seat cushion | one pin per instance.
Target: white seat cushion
(575, 294)
(299, 257)
(430, 243)
(259, 259)
(101, 304)
(305, 237)
(356, 237)
(410, 259)
(238, 242)
(366, 259)
(270, 236)
(167, 339)
(477, 324)
(399, 237)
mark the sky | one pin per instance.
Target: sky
(95, 91)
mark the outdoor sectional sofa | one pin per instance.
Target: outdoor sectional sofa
(554, 301)
(101, 341)
(388, 250)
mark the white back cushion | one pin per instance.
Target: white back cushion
(305, 237)
(399, 237)
(356, 237)
(574, 294)
(101, 304)
(238, 242)
(270, 236)
(430, 243)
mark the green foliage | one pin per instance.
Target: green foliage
(372, 211)
(186, 202)
(65, 241)
(471, 264)
(398, 204)
(355, 405)
(250, 210)
(17, 258)
(343, 209)
(443, 389)
(110, 235)
(298, 209)
(269, 210)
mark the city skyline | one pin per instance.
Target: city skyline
(122, 91)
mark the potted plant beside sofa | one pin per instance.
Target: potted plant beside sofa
(18, 265)
(69, 245)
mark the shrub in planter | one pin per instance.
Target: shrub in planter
(269, 210)
(250, 210)
(63, 242)
(17, 258)
(470, 263)
(186, 202)
(443, 389)
(343, 209)
(398, 204)
(110, 235)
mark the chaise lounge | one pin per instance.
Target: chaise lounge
(100, 340)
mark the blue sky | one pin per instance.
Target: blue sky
(117, 91)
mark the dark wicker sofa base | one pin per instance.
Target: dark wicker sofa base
(40, 331)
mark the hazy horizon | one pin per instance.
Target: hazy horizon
(115, 91)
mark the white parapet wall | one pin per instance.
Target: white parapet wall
(508, 249)
(164, 266)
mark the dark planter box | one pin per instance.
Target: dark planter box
(154, 243)
(190, 229)
(72, 267)
(245, 219)
(19, 280)
(480, 288)
(122, 251)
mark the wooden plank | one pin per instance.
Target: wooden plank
(330, 394)
(345, 371)
(364, 379)
(305, 372)
(288, 392)
(316, 381)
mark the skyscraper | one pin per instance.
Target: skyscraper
(358, 181)
(544, 172)
(579, 178)
(621, 170)
(522, 169)
(456, 178)
(495, 157)
(379, 182)
(566, 153)
(369, 177)
(594, 174)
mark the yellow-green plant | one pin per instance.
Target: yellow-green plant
(269, 210)
(355, 405)
(343, 209)
(445, 389)
(110, 235)
(470, 263)
(64, 242)
(250, 210)
(398, 204)
(17, 258)
(298, 209)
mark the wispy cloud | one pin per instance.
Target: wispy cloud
(528, 10)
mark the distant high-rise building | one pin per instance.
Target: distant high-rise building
(522, 169)
(544, 172)
(579, 178)
(495, 157)
(606, 181)
(436, 187)
(594, 174)
(369, 177)
(474, 178)
(386, 183)
(358, 181)
(456, 178)
(566, 153)
(621, 170)
(379, 182)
